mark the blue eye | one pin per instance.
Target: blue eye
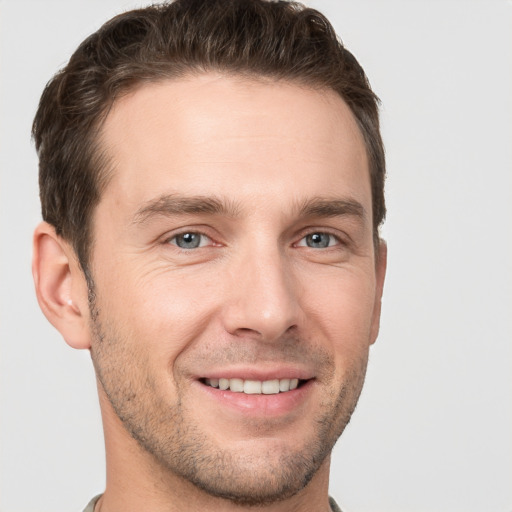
(189, 240)
(318, 240)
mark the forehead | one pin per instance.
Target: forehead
(225, 135)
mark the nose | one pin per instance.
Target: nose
(262, 296)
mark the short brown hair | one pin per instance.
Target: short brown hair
(275, 39)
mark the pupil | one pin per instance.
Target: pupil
(318, 240)
(188, 240)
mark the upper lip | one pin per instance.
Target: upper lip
(259, 373)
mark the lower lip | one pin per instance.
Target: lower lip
(261, 405)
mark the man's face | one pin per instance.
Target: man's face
(233, 247)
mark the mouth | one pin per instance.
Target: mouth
(254, 387)
(259, 393)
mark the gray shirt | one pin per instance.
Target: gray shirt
(92, 503)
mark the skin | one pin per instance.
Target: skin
(253, 168)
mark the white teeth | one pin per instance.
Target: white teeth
(284, 385)
(270, 387)
(236, 385)
(254, 387)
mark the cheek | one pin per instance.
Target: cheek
(160, 309)
(342, 309)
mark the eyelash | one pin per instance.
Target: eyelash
(172, 240)
(332, 236)
(338, 241)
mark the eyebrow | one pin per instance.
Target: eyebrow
(170, 204)
(323, 207)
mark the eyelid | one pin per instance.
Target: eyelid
(203, 231)
(326, 231)
(172, 239)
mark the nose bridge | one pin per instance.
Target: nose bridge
(262, 293)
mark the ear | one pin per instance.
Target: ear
(380, 274)
(61, 287)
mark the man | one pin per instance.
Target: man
(211, 179)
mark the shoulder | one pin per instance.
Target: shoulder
(332, 503)
(92, 503)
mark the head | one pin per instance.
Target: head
(212, 184)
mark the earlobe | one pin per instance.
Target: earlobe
(380, 275)
(60, 286)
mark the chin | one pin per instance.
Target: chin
(254, 479)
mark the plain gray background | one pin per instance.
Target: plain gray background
(433, 430)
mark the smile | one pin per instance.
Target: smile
(254, 387)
